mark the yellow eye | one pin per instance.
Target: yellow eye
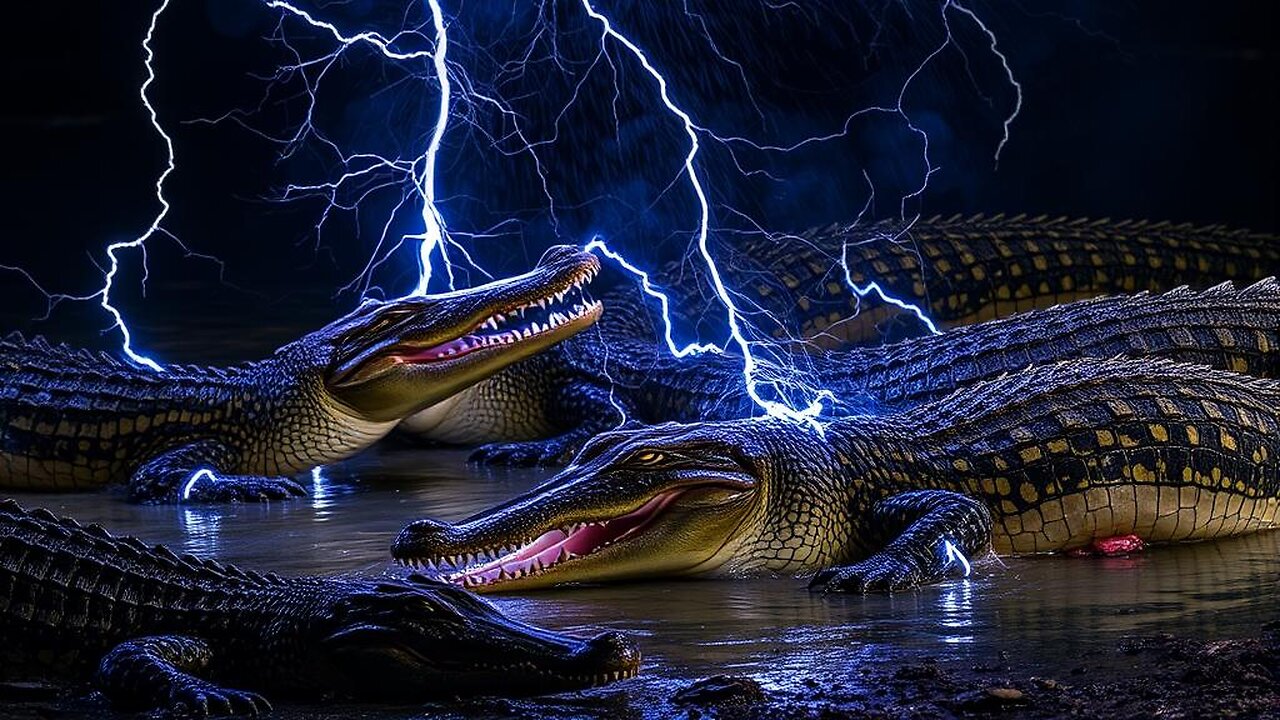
(648, 457)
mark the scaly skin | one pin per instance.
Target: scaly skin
(1222, 327)
(973, 269)
(173, 632)
(966, 270)
(72, 420)
(1044, 460)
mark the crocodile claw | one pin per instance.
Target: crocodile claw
(201, 699)
(535, 453)
(880, 573)
(208, 488)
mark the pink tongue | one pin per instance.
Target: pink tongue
(459, 346)
(550, 546)
(550, 539)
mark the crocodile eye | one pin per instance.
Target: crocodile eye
(648, 457)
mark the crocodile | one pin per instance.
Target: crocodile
(156, 630)
(1224, 327)
(1048, 459)
(72, 419)
(541, 410)
(961, 270)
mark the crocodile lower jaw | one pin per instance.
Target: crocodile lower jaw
(557, 547)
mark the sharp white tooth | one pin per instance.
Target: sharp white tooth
(542, 303)
(564, 555)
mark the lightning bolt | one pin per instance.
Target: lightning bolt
(776, 387)
(433, 224)
(806, 403)
(732, 314)
(434, 236)
(736, 323)
(139, 243)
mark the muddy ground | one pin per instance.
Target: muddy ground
(1161, 676)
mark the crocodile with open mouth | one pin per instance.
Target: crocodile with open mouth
(1052, 458)
(72, 420)
(1224, 327)
(172, 632)
(961, 270)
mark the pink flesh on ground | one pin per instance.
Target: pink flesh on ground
(1112, 546)
(555, 546)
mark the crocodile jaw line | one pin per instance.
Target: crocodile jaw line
(562, 545)
(519, 324)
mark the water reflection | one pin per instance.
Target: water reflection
(1054, 609)
(955, 611)
(201, 530)
(321, 497)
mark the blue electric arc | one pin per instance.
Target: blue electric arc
(424, 46)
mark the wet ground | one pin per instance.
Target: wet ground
(1040, 637)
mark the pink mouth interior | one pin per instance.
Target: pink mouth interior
(557, 546)
(509, 327)
(453, 348)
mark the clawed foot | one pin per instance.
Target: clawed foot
(205, 487)
(535, 453)
(877, 574)
(197, 698)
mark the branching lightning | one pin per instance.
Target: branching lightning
(434, 236)
(139, 242)
(733, 316)
(422, 48)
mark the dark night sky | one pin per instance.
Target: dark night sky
(1142, 109)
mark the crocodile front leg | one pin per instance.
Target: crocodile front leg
(920, 524)
(189, 474)
(160, 673)
(586, 408)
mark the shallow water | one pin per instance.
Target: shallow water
(1052, 614)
